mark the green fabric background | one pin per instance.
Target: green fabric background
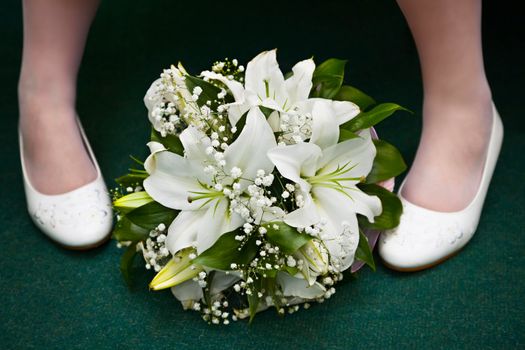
(53, 298)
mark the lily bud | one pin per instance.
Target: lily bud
(315, 260)
(179, 269)
(132, 201)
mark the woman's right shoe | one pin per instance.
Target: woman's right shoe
(424, 237)
(80, 219)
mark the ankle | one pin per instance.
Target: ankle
(40, 106)
(470, 111)
(465, 96)
(38, 92)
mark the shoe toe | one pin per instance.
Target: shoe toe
(79, 219)
(422, 239)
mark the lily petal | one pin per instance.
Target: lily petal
(172, 178)
(264, 77)
(299, 84)
(222, 281)
(297, 287)
(187, 292)
(268, 215)
(236, 110)
(154, 147)
(216, 221)
(195, 143)
(296, 161)
(304, 216)
(364, 204)
(325, 127)
(182, 232)
(359, 153)
(234, 86)
(343, 110)
(151, 99)
(248, 152)
(341, 232)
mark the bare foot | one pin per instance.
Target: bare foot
(54, 154)
(449, 162)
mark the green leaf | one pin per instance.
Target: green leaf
(126, 263)
(287, 238)
(388, 163)
(227, 250)
(365, 120)
(151, 215)
(266, 111)
(209, 91)
(364, 252)
(240, 125)
(171, 142)
(292, 271)
(125, 230)
(270, 287)
(352, 94)
(328, 78)
(207, 289)
(392, 208)
(254, 299)
(346, 135)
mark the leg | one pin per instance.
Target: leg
(55, 32)
(457, 112)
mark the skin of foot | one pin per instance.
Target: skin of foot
(55, 156)
(449, 162)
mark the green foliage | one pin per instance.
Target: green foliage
(352, 94)
(136, 224)
(388, 163)
(240, 125)
(228, 250)
(370, 118)
(364, 251)
(392, 208)
(209, 91)
(287, 238)
(253, 298)
(151, 215)
(346, 135)
(126, 230)
(266, 111)
(171, 142)
(328, 78)
(126, 263)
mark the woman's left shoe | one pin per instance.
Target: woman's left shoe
(425, 238)
(80, 219)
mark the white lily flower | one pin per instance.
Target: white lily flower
(190, 291)
(293, 111)
(299, 287)
(327, 179)
(182, 183)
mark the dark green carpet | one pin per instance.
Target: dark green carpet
(52, 298)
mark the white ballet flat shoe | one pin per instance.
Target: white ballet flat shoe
(80, 219)
(425, 238)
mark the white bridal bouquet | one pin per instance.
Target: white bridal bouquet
(260, 189)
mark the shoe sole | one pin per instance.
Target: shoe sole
(86, 247)
(423, 267)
